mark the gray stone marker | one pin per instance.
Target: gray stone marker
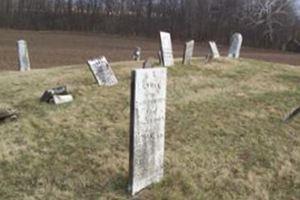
(214, 49)
(102, 72)
(147, 127)
(137, 53)
(166, 49)
(235, 46)
(160, 58)
(188, 52)
(24, 62)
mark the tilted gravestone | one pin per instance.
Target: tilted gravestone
(147, 127)
(188, 52)
(166, 49)
(235, 46)
(24, 62)
(102, 72)
(214, 49)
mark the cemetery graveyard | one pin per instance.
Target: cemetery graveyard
(191, 127)
(222, 135)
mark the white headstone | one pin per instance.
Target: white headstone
(166, 49)
(137, 52)
(24, 62)
(147, 134)
(188, 52)
(102, 72)
(214, 49)
(235, 46)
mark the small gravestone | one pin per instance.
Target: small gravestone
(147, 64)
(160, 60)
(214, 49)
(58, 95)
(137, 52)
(166, 49)
(102, 72)
(188, 52)
(24, 62)
(235, 45)
(147, 127)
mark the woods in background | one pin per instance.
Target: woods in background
(264, 23)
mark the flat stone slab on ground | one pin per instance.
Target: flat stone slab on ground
(58, 95)
(7, 113)
(147, 134)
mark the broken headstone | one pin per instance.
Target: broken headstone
(7, 113)
(57, 96)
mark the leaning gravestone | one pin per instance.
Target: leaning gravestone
(102, 72)
(214, 49)
(24, 62)
(147, 127)
(235, 46)
(166, 49)
(188, 52)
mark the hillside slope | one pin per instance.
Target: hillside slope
(224, 134)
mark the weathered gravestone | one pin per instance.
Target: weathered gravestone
(235, 46)
(160, 60)
(214, 49)
(188, 52)
(7, 113)
(147, 64)
(24, 62)
(147, 127)
(166, 49)
(136, 55)
(58, 95)
(102, 72)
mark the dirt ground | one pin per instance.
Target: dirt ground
(55, 48)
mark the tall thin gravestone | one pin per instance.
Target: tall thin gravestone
(147, 127)
(24, 62)
(214, 49)
(235, 46)
(166, 49)
(188, 52)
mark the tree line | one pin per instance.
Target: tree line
(263, 23)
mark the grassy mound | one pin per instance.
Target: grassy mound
(224, 134)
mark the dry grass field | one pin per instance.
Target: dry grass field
(50, 49)
(225, 138)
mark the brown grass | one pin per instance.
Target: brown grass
(224, 134)
(50, 48)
